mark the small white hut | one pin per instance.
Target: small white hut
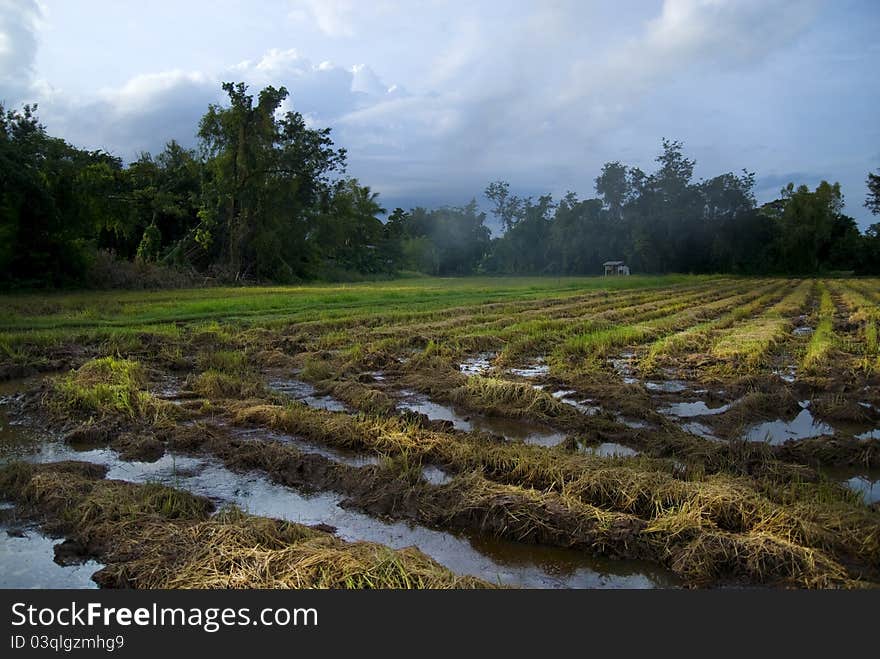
(616, 268)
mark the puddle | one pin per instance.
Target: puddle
(583, 406)
(536, 370)
(802, 331)
(28, 562)
(610, 450)
(871, 434)
(700, 430)
(502, 562)
(562, 568)
(351, 458)
(697, 408)
(513, 429)
(435, 475)
(305, 393)
(632, 423)
(623, 367)
(862, 480)
(869, 406)
(867, 486)
(170, 388)
(667, 386)
(788, 374)
(803, 426)
(479, 364)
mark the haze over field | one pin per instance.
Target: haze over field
(433, 101)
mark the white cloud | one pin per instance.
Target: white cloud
(445, 96)
(335, 18)
(19, 22)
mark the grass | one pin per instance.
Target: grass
(106, 386)
(746, 345)
(296, 303)
(152, 536)
(865, 314)
(822, 340)
(711, 512)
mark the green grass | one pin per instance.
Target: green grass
(106, 386)
(823, 337)
(748, 344)
(96, 311)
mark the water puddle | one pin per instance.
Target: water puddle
(863, 480)
(305, 393)
(502, 562)
(479, 364)
(787, 374)
(537, 370)
(435, 475)
(700, 430)
(667, 386)
(583, 406)
(610, 450)
(28, 561)
(871, 434)
(513, 429)
(170, 389)
(803, 426)
(696, 408)
(545, 567)
(802, 331)
(869, 406)
(622, 365)
(632, 423)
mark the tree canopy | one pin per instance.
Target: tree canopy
(265, 197)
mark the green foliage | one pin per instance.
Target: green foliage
(872, 201)
(105, 386)
(54, 200)
(446, 241)
(148, 250)
(265, 198)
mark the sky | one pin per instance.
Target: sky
(435, 99)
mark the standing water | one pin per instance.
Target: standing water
(498, 561)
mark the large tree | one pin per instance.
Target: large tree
(266, 174)
(614, 187)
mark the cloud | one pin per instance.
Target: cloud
(433, 102)
(148, 110)
(19, 23)
(333, 17)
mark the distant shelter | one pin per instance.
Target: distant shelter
(616, 268)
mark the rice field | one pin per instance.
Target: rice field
(679, 431)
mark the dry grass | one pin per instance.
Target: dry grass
(153, 536)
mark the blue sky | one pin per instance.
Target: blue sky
(434, 99)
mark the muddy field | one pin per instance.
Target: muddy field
(625, 433)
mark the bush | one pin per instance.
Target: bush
(106, 271)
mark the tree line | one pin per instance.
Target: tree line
(265, 197)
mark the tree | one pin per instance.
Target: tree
(163, 196)
(265, 177)
(807, 226)
(54, 200)
(349, 234)
(872, 201)
(614, 187)
(506, 207)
